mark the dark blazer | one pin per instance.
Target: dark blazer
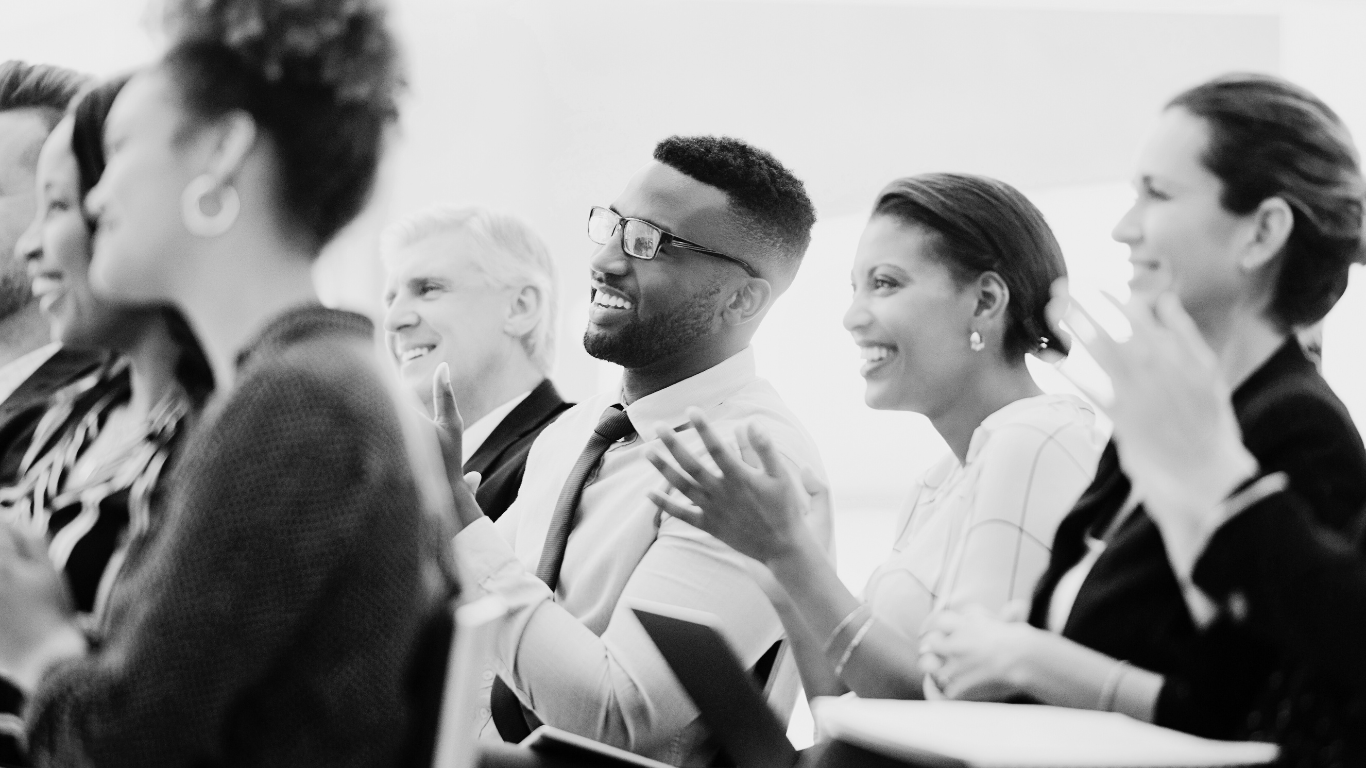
(501, 460)
(20, 412)
(1131, 606)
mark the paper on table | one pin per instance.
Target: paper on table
(1022, 736)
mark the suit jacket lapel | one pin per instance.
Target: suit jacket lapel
(63, 367)
(543, 403)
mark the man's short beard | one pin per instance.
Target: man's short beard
(644, 342)
(14, 292)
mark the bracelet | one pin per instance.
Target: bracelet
(844, 624)
(858, 638)
(1111, 687)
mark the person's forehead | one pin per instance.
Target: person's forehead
(1175, 145)
(669, 198)
(22, 132)
(447, 255)
(57, 161)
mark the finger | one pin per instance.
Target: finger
(1100, 343)
(1015, 611)
(445, 411)
(942, 622)
(930, 663)
(769, 457)
(686, 461)
(725, 459)
(931, 642)
(747, 453)
(1056, 310)
(473, 479)
(678, 480)
(690, 515)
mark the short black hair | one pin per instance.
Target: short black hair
(1271, 138)
(985, 225)
(767, 196)
(42, 87)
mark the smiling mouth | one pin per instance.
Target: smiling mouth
(609, 301)
(415, 353)
(874, 355)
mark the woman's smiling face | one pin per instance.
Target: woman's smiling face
(910, 317)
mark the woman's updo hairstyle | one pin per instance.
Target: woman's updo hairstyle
(87, 143)
(1269, 138)
(320, 77)
(984, 225)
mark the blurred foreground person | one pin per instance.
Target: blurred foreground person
(272, 619)
(950, 282)
(1249, 214)
(33, 98)
(476, 290)
(690, 257)
(89, 470)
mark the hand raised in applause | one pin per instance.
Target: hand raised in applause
(1174, 425)
(760, 510)
(973, 655)
(450, 430)
(37, 621)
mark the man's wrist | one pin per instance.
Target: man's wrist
(64, 642)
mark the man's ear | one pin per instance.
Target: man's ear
(748, 301)
(524, 311)
(1270, 228)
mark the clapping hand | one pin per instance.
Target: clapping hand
(450, 430)
(1175, 429)
(759, 509)
(37, 620)
(973, 655)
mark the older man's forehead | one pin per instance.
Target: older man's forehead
(22, 132)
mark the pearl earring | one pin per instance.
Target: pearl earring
(975, 342)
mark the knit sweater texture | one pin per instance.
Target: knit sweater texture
(272, 619)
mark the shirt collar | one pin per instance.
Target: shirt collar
(704, 390)
(476, 433)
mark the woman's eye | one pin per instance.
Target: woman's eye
(882, 283)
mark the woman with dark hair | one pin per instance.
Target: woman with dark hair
(273, 619)
(1249, 212)
(90, 461)
(950, 280)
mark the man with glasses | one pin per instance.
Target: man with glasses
(690, 258)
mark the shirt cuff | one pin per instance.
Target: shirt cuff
(483, 552)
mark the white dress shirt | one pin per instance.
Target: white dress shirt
(579, 658)
(980, 533)
(475, 434)
(14, 373)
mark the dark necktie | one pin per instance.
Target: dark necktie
(612, 426)
(514, 723)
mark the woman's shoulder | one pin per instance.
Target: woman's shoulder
(1032, 425)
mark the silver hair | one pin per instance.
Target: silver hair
(510, 255)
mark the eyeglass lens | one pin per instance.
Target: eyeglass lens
(640, 239)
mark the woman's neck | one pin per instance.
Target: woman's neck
(985, 392)
(152, 361)
(1243, 340)
(229, 305)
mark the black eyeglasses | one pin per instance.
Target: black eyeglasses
(642, 240)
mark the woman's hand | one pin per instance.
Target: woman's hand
(759, 511)
(974, 656)
(1175, 429)
(37, 620)
(450, 430)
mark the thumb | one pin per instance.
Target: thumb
(1015, 611)
(473, 479)
(444, 409)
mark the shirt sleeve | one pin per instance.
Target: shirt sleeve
(1029, 480)
(257, 526)
(616, 688)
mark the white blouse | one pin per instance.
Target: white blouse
(981, 532)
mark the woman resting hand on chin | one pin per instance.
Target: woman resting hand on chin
(950, 280)
(1248, 217)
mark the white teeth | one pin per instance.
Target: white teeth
(607, 300)
(415, 353)
(874, 353)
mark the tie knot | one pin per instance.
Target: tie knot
(614, 424)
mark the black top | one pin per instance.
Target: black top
(501, 459)
(1131, 607)
(271, 617)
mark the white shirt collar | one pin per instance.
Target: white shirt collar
(476, 433)
(704, 390)
(17, 371)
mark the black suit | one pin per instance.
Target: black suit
(501, 460)
(1219, 680)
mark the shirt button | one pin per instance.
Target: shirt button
(483, 713)
(488, 674)
(1238, 607)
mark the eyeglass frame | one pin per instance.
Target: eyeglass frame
(665, 238)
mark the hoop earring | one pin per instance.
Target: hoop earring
(192, 211)
(975, 342)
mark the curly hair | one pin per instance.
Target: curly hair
(42, 87)
(1270, 138)
(770, 200)
(320, 77)
(982, 225)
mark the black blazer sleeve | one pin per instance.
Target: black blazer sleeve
(1304, 587)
